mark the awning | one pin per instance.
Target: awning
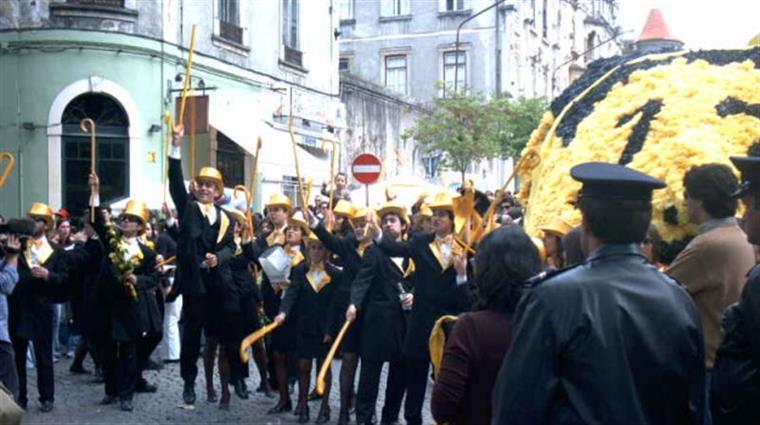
(240, 121)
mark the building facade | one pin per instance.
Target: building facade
(528, 48)
(257, 66)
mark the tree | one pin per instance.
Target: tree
(468, 129)
(514, 121)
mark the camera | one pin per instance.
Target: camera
(23, 228)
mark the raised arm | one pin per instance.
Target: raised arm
(177, 188)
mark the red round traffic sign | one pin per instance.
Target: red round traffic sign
(367, 168)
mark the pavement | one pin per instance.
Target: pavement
(76, 399)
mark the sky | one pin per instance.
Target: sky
(698, 23)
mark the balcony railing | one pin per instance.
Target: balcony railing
(293, 56)
(109, 3)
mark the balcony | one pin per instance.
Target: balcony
(93, 12)
(231, 32)
(293, 58)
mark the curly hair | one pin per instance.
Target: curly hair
(506, 258)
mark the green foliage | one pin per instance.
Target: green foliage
(468, 129)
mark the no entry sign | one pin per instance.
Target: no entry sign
(366, 168)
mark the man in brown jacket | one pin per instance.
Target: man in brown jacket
(714, 265)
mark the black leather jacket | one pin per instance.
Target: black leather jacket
(735, 391)
(611, 341)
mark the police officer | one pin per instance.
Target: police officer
(612, 340)
(735, 393)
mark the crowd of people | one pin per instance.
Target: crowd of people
(584, 325)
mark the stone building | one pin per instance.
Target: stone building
(122, 63)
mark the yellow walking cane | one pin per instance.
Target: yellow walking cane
(10, 161)
(252, 338)
(330, 355)
(93, 149)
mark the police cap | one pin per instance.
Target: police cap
(606, 181)
(749, 166)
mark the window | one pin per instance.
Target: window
(112, 144)
(346, 9)
(454, 5)
(344, 64)
(290, 189)
(395, 73)
(290, 12)
(229, 21)
(590, 41)
(394, 7)
(545, 19)
(451, 61)
(230, 160)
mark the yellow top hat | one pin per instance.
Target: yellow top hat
(236, 214)
(40, 210)
(279, 200)
(344, 209)
(442, 200)
(137, 208)
(393, 208)
(557, 227)
(425, 211)
(311, 239)
(299, 220)
(213, 175)
(361, 214)
(540, 247)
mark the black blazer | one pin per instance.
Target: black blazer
(130, 318)
(30, 309)
(375, 293)
(197, 238)
(436, 292)
(315, 314)
(87, 296)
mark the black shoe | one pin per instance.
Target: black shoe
(314, 396)
(324, 416)
(281, 407)
(78, 369)
(144, 387)
(126, 405)
(154, 365)
(303, 415)
(240, 390)
(46, 406)
(107, 400)
(245, 386)
(188, 394)
(211, 397)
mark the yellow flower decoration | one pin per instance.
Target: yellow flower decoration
(659, 114)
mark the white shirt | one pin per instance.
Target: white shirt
(131, 247)
(209, 213)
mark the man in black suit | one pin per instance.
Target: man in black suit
(204, 248)
(440, 289)
(42, 277)
(130, 297)
(380, 296)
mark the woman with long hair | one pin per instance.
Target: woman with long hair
(505, 260)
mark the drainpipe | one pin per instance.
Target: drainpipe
(499, 49)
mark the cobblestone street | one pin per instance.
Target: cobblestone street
(76, 399)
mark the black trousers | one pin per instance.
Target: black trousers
(417, 370)
(145, 347)
(369, 383)
(8, 374)
(120, 368)
(192, 322)
(43, 354)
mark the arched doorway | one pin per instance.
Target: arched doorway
(112, 150)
